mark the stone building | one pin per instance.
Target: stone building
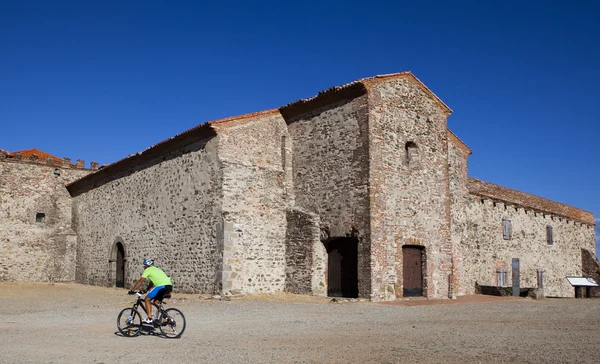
(360, 191)
(37, 242)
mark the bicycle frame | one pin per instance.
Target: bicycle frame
(141, 302)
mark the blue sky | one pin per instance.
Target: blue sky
(101, 80)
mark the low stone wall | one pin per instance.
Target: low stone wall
(508, 291)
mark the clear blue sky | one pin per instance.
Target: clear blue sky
(98, 80)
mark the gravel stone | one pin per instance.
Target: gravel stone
(73, 323)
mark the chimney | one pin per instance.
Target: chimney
(17, 156)
(3, 154)
(80, 164)
(94, 165)
(66, 162)
(34, 157)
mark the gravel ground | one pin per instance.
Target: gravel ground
(72, 323)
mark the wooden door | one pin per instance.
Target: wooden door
(412, 271)
(334, 273)
(342, 268)
(120, 266)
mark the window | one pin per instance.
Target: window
(501, 277)
(549, 235)
(507, 228)
(40, 217)
(411, 153)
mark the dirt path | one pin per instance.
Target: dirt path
(71, 323)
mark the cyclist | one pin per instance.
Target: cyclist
(158, 279)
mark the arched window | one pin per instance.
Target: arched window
(412, 153)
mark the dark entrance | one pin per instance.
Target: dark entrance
(412, 271)
(120, 265)
(342, 268)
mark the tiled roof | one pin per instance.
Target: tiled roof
(28, 153)
(204, 130)
(486, 189)
(209, 129)
(352, 90)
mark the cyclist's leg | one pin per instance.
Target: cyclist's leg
(150, 297)
(148, 307)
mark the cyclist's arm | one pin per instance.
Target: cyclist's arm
(138, 283)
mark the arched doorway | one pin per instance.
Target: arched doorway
(342, 267)
(116, 265)
(412, 270)
(120, 282)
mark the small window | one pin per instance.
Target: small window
(412, 153)
(549, 235)
(507, 228)
(40, 217)
(502, 282)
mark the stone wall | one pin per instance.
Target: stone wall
(591, 268)
(484, 250)
(306, 257)
(458, 167)
(168, 208)
(410, 201)
(252, 154)
(33, 250)
(330, 172)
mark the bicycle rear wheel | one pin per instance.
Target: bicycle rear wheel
(172, 323)
(129, 322)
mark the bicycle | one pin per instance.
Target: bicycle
(171, 321)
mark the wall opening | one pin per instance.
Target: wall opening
(342, 267)
(549, 235)
(412, 153)
(120, 281)
(40, 217)
(413, 258)
(506, 228)
(116, 265)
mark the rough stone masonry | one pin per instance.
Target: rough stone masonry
(360, 191)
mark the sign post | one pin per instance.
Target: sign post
(516, 277)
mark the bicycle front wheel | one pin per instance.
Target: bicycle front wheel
(129, 322)
(172, 323)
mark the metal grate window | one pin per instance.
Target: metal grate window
(549, 235)
(501, 277)
(507, 228)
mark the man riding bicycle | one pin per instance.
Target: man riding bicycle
(162, 286)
